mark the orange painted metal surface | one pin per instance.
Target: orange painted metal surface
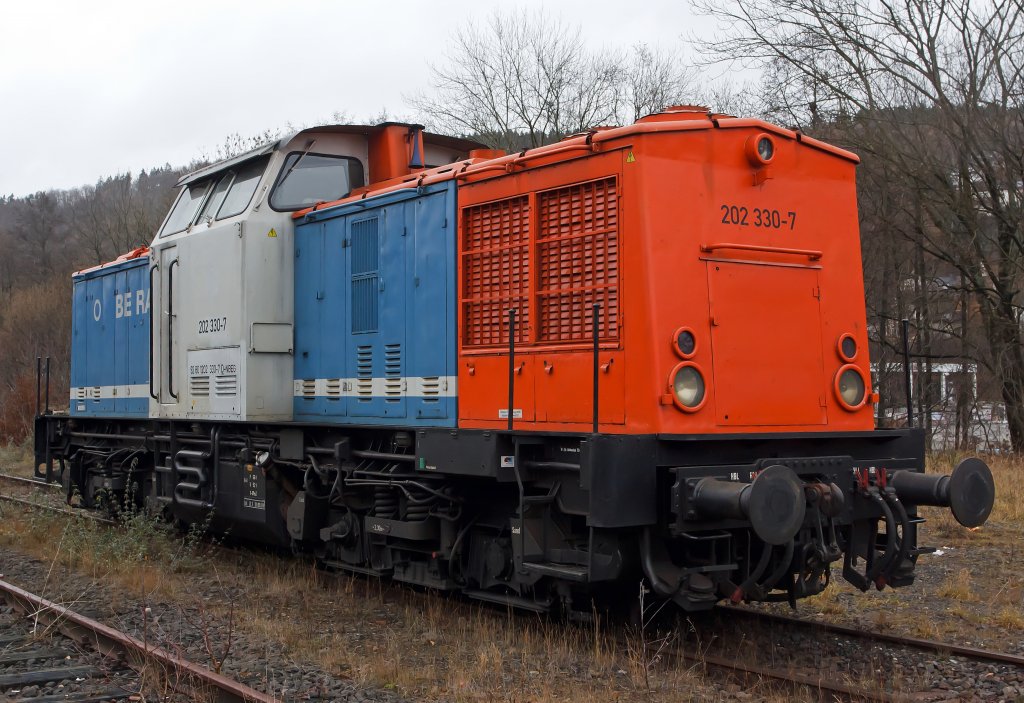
(666, 224)
(128, 256)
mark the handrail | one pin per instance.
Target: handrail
(152, 392)
(811, 254)
(170, 329)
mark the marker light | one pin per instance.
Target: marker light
(847, 347)
(688, 387)
(684, 343)
(850, 387)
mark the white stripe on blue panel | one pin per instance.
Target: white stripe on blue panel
(139, 390)
(381, 387)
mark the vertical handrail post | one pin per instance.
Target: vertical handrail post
(511, 365)
(905, 325)
(39, 381)
(46, 408)
(597, 363)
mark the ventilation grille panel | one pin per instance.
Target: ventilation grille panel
(364, 371)
(199, 386)
(333, 388)
(578, 262)
(365, 278)
(393, 383)
(225, 385)
(496, 271)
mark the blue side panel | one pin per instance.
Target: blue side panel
(110, 341)
(375, 306)
(432, 291)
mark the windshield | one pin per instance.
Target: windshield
(308, 179)
(232, 192)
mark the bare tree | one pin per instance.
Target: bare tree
(934, 89)
(524, 80)
(656, 78)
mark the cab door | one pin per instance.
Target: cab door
(169, 376)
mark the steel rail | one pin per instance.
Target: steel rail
(819, 684)
(29, 481)
(984, 655)
(113, 643)
(54, 509)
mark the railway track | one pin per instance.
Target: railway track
(29, 666)
(32, 482)
(946, 648)
(746, 672)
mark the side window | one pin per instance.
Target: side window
(242, 188)
(307, 179)
(185, 207)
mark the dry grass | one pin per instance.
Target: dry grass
(16, 458)
(1010, 618)
(423, 646)
(1008, 511)
(958, 587)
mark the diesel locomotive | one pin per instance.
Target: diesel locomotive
(537, 378)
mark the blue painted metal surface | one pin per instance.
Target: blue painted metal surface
(110, 341)
(375, 304)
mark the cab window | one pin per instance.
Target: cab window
(185, 208)
(307, 179)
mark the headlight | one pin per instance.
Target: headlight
(850, 387)
(685, 343)
(765, 149)
(847, 347)
(688, 387)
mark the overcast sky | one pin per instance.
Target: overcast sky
(90, 89)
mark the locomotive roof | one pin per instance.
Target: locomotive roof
(456, 143)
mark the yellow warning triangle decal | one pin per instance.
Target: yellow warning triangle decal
(630, 158)
(272, 233)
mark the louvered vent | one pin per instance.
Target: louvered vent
(225, 385)
(309, 388)
(364, 371)
(95, 392)
(430, 386)
(365, 283)
(81, 393)
(393, 383)
(333, 387)
(199, 386)
(496, 271)
(578, 262)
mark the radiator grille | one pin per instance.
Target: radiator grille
(496, 271)
(578, 262)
